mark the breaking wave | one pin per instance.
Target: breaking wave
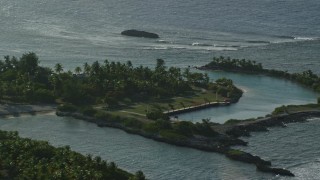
(301, 38)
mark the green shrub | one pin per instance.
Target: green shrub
(43, 150)
(156, 114)
(304, 106)
(67, 108)
(133, 123)
(150, 128)
(8, 75)
(43, 95)
(184, 128)
(172, 135)
(279, 110)
(116, 118)
(127, 100)
(102, 115)
(205, 129)
(138, 176)
(88, 111)
(163, 124)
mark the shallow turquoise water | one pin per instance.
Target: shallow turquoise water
(261, 96)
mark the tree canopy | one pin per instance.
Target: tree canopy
(23, 158)
(24, 80)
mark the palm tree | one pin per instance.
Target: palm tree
(95, 68)
(182, 104)
(77, 70)
(86, 68)
(186, 74)
(160, 63)
(206, 100)
(171, 106)
(139, 175)
(1, 90)
(218, 92)
(53, 80)
(129, 64)
(58, 68)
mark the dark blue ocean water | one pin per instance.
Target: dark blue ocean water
(281, 34)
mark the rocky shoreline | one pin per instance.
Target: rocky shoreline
(218, 144)
(244, 129)
(221, 143)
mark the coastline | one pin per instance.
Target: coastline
(244, 128)
(201, 143)
(306, 78)
(227, 134)
(224, 141)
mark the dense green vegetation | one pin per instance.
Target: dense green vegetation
(114, 85)
(24, 80)
(222, 90)
(104, 93)
(152, 120)
(100, 91)
(23, 158)
(307, 78)
(180, 130)
(234, 64)
(162, 127)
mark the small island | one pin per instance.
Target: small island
(306, 78)
(137, 33)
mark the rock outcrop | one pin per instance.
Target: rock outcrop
(244, 129)
(277, 171)
(246, 157)
(136, 33)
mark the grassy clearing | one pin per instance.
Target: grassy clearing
(235, 152)
(296, 108)
(307, 107)
(126, 114)
(200, 97)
